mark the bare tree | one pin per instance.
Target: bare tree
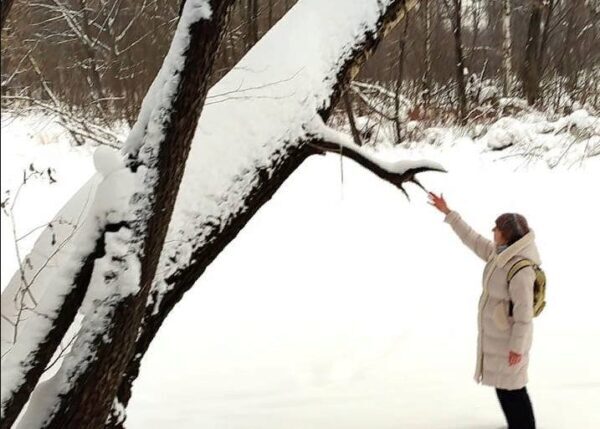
(402, 42)
(506, 47)
(107, 43)
(115, 66)
(475, 24)
(535, 47)
(270, 19)
(454, 10)
(252, 19)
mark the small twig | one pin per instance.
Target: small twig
(63, 350)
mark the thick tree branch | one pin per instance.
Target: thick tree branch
(396, 173)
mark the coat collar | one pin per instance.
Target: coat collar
(516, 248)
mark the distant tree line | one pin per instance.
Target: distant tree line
(528, 48)
(99, 56)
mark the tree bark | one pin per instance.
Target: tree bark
(549, 8)
(6, 5)
(475, 18)
(252, 23)
(460, 62)
(399, 78)
(531, 66)
(506, 48)
(255, 21)
(94, 81)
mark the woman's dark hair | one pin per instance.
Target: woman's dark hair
(513, 227)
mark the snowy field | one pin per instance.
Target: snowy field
(346, 306)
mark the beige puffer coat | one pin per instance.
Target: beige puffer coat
(499, 333)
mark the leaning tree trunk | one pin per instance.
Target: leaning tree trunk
(268, 179)
(90, 375)
(549, 7)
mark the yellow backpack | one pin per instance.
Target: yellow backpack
(539, 286)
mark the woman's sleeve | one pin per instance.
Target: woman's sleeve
(520, 291)
(474, 241)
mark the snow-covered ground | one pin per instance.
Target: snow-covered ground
(346, 306)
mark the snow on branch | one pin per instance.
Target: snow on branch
(397, 173)
(156, 105)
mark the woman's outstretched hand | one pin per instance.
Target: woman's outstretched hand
(439, 203)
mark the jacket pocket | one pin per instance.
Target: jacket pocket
(500, 316)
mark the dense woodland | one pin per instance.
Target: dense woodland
(99, 57)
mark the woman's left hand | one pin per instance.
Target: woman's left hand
(514, 358)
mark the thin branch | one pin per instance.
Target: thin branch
(63, 350)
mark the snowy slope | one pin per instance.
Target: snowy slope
(320, 314)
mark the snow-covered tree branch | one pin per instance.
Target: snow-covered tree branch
(397, 173)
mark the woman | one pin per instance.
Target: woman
(505, 310)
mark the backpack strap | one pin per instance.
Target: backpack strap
(517, 266)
